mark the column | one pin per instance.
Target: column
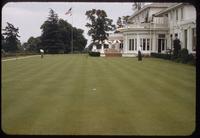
(138, 41)
(102, 48)
(154, 43)
(189, 42)
(125, 44)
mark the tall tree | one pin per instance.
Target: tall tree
(100, 24)
(125, 19)
(137, 6)
(51, 36)
(57, 35)
(3, 43)
(65, 30)
(33, 44)
(119, 22)
(10, 34)
(79, 41)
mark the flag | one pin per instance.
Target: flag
(69, 12)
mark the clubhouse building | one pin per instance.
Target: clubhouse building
(153, 28)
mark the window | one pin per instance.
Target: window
(132, 48)
(141, 42)
(182, 13)
(106, 46)
(121, 46)
(131, 44)
(163, 44)
(148, 44)
(194, 38)
(144, 44)
(176, 14)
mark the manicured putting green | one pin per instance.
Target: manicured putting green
(80, 95)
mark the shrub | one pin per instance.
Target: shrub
(183, 56)
(94, 54)
(191, 59)
(160, 55)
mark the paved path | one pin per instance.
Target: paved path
(20, 58)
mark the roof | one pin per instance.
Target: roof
(153, 5)
(175, 5)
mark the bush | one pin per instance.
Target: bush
(94, 54)
(160, 55)
(191, 59)
(183, 56)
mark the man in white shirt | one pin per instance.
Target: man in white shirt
(41, 52)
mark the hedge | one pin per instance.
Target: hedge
(183, 57)
(160, 55)
(94, 54)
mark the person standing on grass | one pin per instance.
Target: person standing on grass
(139, 53)
(41, 53)
(177, 46)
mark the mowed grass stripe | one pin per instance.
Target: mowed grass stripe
(165, 79)
(126, 100)
(161, 82)
(34, 101)
(179, 106)
(117, 102)
(24, 85)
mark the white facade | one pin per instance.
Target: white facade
(182, 21)
(153, 31)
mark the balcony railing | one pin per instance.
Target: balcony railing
(158, 22)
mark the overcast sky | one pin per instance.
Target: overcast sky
(29, 16)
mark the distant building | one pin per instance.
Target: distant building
(154, 27)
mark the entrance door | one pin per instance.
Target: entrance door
(159, 45)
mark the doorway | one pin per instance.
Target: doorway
(159, 45)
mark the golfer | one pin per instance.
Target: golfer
(140, 53)
(41, 53)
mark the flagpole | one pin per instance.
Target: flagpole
(72, 34)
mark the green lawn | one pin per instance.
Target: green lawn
(73, 94)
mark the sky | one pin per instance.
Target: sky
(29, 16)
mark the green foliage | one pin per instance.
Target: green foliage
(76, 95)
(57, 35)
(10, 38)
(79, 41)
(94, 54)
(119, 22)
(100, 24)
(51, 36)
(33, 44)
(137, 6)
(159, 55)
(183, 57)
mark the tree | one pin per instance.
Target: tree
(57, 35)
(137, 6)
(79, 41)
(125, 19)
(65, 30)
(3, 43)
(100, 24)
(51, 37)
(119, 22)
(11, 38)
(33, 44)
